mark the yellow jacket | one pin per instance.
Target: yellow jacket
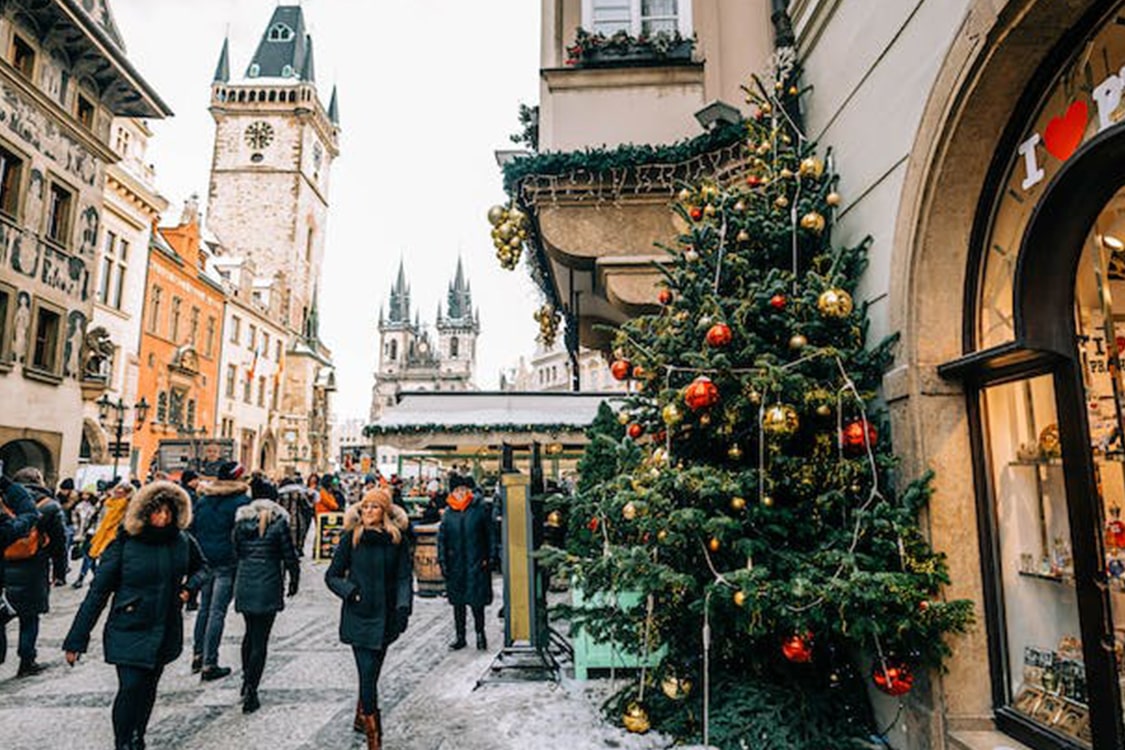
(107, 528)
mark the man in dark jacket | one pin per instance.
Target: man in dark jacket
(27, 581)
(464, 546)
(17, 518)
(212, 526)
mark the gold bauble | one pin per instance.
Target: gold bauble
(515, 243)
(813, 222)
(672, 415)
(786, 173)
(797, 342)
(764, 147)
(629, 511)
(743, 236)
(737, 503)
(767, 501)
(812, 167)
(554, 519)
(833, 199)
(766, 108)
(781, 202)
(705, 419)
(495, 233)
(739, 207)
(780, 420)
(685, 196)
(505, 230)
(623, 417)
(824, 410)
(739, 598)
(778, 86)
(834, 303)
(662, 535)
(675, 688)
(496, 214)
(690, 255)
(636, 719)
(785, 139)
(734, 453)
(517, 217)
(793, 91)
(709, 210)
(713, 544)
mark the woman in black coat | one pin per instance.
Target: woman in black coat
(464, 547)
(371, 572)
(150, 569)
(265, 553)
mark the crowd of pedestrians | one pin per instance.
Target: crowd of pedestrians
(217, 537)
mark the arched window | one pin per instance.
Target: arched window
(279, 32)
(454, 345)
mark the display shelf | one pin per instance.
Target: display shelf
(1100, 458)
(1047, 577)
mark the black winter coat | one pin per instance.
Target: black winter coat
(28, 582)
(464, 546)
(19, 502)
(144, 569)
(213, 524)
(376, 583)
(263, 559)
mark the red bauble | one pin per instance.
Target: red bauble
(696, 213)
(635, 430)
(892, 677)
(593, 524)
(664, 297)
(798, 648)
(701, 394)
(620, 369)
(718, 335)
(778, 302)
(857, 435)
(753, 180)
(661, 436)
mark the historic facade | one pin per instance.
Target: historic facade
(275, 142)
(410, 360)
(552, 369)
(64, 77)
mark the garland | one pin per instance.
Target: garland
(373, 430)
(660, 46)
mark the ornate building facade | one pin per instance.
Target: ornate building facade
(410, 359)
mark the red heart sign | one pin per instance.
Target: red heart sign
(1064, 134)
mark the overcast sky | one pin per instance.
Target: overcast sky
(428, 89)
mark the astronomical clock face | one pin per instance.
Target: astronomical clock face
(259, 134)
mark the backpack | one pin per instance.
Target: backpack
(25, 548)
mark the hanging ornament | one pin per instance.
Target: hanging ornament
(714, 544)
(685, 195)
(813, 221)
(778, 302)
(740, 206)
(858, 435)
(497, 215)
(737, 503)
(811, 167)
(781, 202)
(629, 511)
(834, 303)
(892, 677)
(734, 453)
(701, 394)
(743, 236)
(636, 718)
(690, 255)
(635, 430)
(820, 400)
(664, 297)
(739, 598)
(786, 173)
(797, 342)
(554, 520)
(675, 688)
(709, 210)
(718, 335)
(592, 524)
(548, 319)
(639, 372)
(798, 648)
(833, 199)
(780, 420)
(705, 420)
(620, 369)
(696, 213)
(767, 501)
(662, 535)
(754, 181)
(623, 417)
(672, 415)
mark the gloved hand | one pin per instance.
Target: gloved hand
(292, 587)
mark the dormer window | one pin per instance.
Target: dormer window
(279, 32)
(286, 71)
(254, 70)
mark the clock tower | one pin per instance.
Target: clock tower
(273, 152)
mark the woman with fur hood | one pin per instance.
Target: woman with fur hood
(371, 572)
(150, 570)
(265, 553)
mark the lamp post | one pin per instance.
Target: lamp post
(140, 412)
(192, 433)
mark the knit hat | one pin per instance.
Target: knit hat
(66, 484)
(456, 480)
(230, 471)
(187, 475)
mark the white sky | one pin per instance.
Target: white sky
(428, 89)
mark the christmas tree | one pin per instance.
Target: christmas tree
(777, 554)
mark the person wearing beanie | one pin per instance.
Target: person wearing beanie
(464, 546)
(213, 526)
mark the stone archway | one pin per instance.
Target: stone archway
(18, 454)
(964, 132)
(267, 454)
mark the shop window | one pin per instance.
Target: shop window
(11, 170)
(59, 208)
(45, 349)
(22, 56)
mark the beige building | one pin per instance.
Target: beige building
(978, 143)
(275, 142)
(551, 369)
(64, 79)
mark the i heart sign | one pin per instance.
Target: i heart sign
(1064, 134)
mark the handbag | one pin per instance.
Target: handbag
(7, 611)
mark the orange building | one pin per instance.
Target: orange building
(181, 339)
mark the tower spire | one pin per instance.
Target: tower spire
(333, 108)
(308, 70)
(222, 70)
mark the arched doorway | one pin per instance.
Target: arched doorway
(18, 454)
(267, 455)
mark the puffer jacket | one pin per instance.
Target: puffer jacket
(375, 581)
(28, 582)
(464, 547)
(213, 524)
(23, 519)
(144, 569)
(265, 553)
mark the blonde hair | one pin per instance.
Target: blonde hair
(381, 497)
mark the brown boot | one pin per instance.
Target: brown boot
(357, 725)
(371, 729)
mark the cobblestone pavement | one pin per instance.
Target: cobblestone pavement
(308, 692)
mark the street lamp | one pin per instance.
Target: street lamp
(140, 412)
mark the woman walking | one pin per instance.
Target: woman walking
(371, 572)
(150, 569)
(264, 550)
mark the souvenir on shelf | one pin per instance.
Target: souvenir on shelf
(1050, 446)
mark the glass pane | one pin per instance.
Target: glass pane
(611, 16)
(658, 8)
(1046, 674)
(650, 26)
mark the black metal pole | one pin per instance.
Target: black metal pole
(120, 428)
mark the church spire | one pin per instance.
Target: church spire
(333, 108)
(222, 70)
(400, 299)
(460, 304)
(308, 70)
(285, 50)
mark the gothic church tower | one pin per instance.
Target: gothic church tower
(274, 147)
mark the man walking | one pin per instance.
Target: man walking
(213, 526)
(464, 545)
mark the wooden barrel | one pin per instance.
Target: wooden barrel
(426, 568)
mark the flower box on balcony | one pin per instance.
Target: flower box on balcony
(622, 50)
